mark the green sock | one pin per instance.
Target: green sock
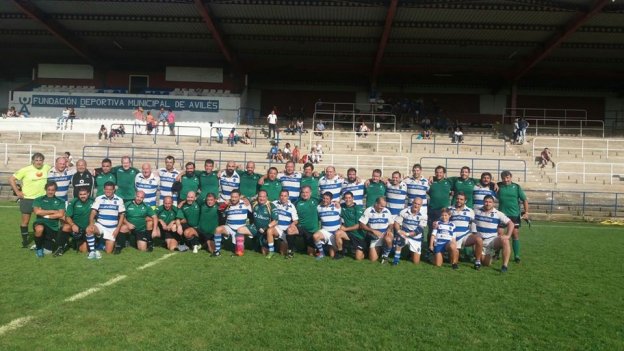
(515, 244)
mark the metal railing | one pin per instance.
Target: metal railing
(509, 114)
(583, 172)
(566, 126)
(24, 152)
(477, 165)
(459, 147)
(576, 203)
(257, 133)
(579, 147)
(339, 107)
(131, 131)
(353, 119)
(356, 139)
(155, 156)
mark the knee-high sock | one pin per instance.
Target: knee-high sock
(515, 244)
(319, 247)
(39, 242)
(120, 241)
(24, 232)
(91, 242)
(217, 240)
(290, 239)
(240, 243)
(61, 238)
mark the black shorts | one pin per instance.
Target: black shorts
(205, 236)
(186, 226)
(306, 235)
(357, 243)
(142, 235)
(517, 221)
(48, 232)
(26, 206)
(167, 235)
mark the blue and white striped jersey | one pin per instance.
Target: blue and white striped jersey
(417, 188)
(487, 223)
(444, 233)
(330, 217)
(227, 184)
(357, 188)
(479, 193)
(149, 186)
(332, 185)
(108, 210)
(284, 213)
(236, 215)
(462, 218)
(377, 220)
(167, 178)
(412, 223)
(62, 180)
(396, 195)
(292, 183)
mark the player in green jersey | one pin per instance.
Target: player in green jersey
(208, 180)
(125, 174)
(76, 223)
(510, 195)
(249, 181)
(169, 223)
(439, 198)
(189, 182)
(208, 221)
(307, 209)
(311, 179)
(190, 208)
(48, 209)
(104, 175)
(464, 184)
(375, 188)
(137, 225)
(261, 219)
(350, 214)
(272, 185)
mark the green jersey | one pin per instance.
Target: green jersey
(248, 184)
(208, 218)
(307, 211)
(262, 216)
(103, 178)
(374, 191)
(313, 183)
(79, 212)
(136, 214)
(465, 186)
(191, 213)
(208, 183)
(125, 182)
(188, 184)
(273, 188)
(440, 194)
(509, 197)
(49, 203)
(351, 216)
(170, 215)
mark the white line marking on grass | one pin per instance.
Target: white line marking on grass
(149, 264)
(95, 289)
(15, 324)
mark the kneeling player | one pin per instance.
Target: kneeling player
(443, 235)
(329, 214)
(378, 222)
(350, 214)
(284, 223)
(49, 209)
(463, 218)
(235, 219)
(260, 226)
(76, 223)
(169, 223)
(136, 224)
(487, 221)
(208, 221)
(107, 216)
(409, 227)
(190, 222)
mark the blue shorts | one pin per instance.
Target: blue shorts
(441, 247)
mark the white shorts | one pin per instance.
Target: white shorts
(414, 245)
(282, 233)
(328, 237)
(107, 233)
(488, 246)
(460, 241)
(376, 242)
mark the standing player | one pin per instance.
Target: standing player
(169, 223)
(510, 195)
(483, 188)
(260, 226)
(136, 224)
(375, 188)
(125, 175)
(329, 214)
(229, 180)
(82, 179)
(291, 181)
(147, 182)
(189, 182)
(76, 223)
(396, 194)
(487, 221)
(443, 238)
(62, 176)
(208, 179)
(310, 179)
(235, 224)
(350, 214)
(107, 216)
(465, 184)
(355, 186)
(417, 186)
(33, 178)
(49, 210)
(378, 222)
(439, 197)
(249, 181)
(104, 175)
(284, 224)
(271, 185)
(331, 182)
(168, 176)
(409, 227)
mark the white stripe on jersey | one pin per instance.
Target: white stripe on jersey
(236, 215)
(396, 196)
(62, 180)
(167, 178)
(286, 214)
(409, 221)
(377, 220)
(330, 217)
(462, 218)
(417, 188)
(149, 186)
(332, 185)
(486, 223)
(292, 183)
(479, 193)
(445, 232)
(227, 184)
(108, 210)
(356, 188)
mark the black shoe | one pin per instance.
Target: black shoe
(339, 256)
(517, 260)
(215, 254)
(477, 266)
(384, 260)
(24, 243)
(59, 252)
(150, 246)
(289, 255)
(503, 269)
(117, 251)
(455, 266)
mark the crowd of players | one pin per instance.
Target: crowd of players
(194, 209)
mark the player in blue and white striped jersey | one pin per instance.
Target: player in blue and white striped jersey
(107, 215)
(167, 177)
(396, 193)
(329, 214)
(62, 176)
(228, 180)
(331, 182)
(284, 223)
(378, 222)
(409, 227)
(291, 181)
(417, 186)
(355, 186)
(463, 218)
(236, 215)
(443, 238)
(485, 187)
(148, 183)
(487, 221)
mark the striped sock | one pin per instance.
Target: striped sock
(271, 247)
(386, 251)
(91, 242)
(397, 254)
(319, 247)
(217, 239)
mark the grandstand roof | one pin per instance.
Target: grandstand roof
(396, 41)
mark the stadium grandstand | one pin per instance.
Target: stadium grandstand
(412, 72)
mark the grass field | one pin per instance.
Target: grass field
(568, 293)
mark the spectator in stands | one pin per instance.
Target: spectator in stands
(523, 126)
(11, 112)
(63, 118)
(171, 118)
(280, 156)
(313, 156)
(162, 118)
(118, 132)
(103, 132)
(286, 152)
(458, 135)
(296, 154)
(150, 123)
(219, 136)
(273, 153)
(425, 123)
(318, 149)
(427, 134)
(362, 130)
(139, 120)
(71, 118)
(319, 128)
(272, 120)
(291, 129)
(516, 131)
(545, 158)
(70, 160)
(246, 139)
(299, 126)
(233, 137)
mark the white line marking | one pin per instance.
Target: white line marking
(15, 324)
(95, 289)
(149, 264)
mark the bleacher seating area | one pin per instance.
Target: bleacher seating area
(46, 88)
